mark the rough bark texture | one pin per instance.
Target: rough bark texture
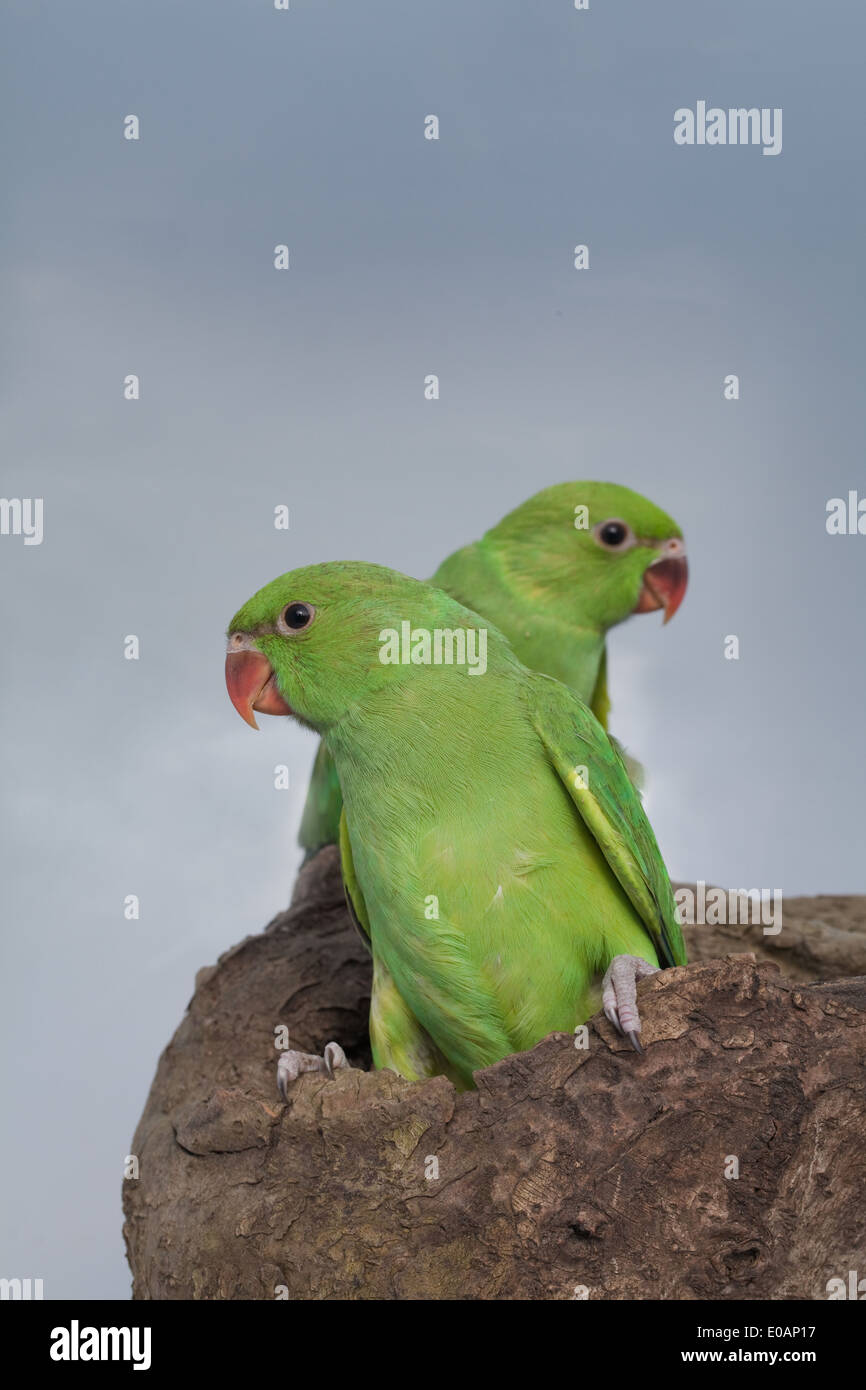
(568, 1173)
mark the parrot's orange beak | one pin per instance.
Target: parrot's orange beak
(665, 582)
(251, 685)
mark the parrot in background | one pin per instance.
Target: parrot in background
(495, 854)
(554, 575)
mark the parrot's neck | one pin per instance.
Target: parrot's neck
(572, 654)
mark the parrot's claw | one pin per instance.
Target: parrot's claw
(619, 995)
(291, 1064)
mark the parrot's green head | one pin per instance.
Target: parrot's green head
(595, 550)
(312, 643)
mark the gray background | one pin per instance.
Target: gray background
(306, 387)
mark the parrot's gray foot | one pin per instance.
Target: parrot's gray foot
(619, 995)
(291, 1064)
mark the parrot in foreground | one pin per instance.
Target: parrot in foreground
(495, 854)
(554, 575)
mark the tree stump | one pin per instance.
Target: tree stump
(726, 1162)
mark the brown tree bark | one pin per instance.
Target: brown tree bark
(727, 1162)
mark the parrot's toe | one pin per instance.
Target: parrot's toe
(619, 995)
(292, 1064)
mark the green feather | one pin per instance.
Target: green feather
(550, 588)
(494, 890)
(323, 804)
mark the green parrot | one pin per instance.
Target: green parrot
(495, 854)
(554, 576)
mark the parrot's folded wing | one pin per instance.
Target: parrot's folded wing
(600, 702)
(351, 887)
(593, 772)
(635, 770)
(321, 817)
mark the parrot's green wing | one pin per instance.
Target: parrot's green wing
(600, 706)
(321, 818)
(592, 770)
(351, 887)
(600, 702)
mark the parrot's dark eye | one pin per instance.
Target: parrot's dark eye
(296, 617)
(613, 535)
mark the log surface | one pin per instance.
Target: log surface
(727, 1162)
